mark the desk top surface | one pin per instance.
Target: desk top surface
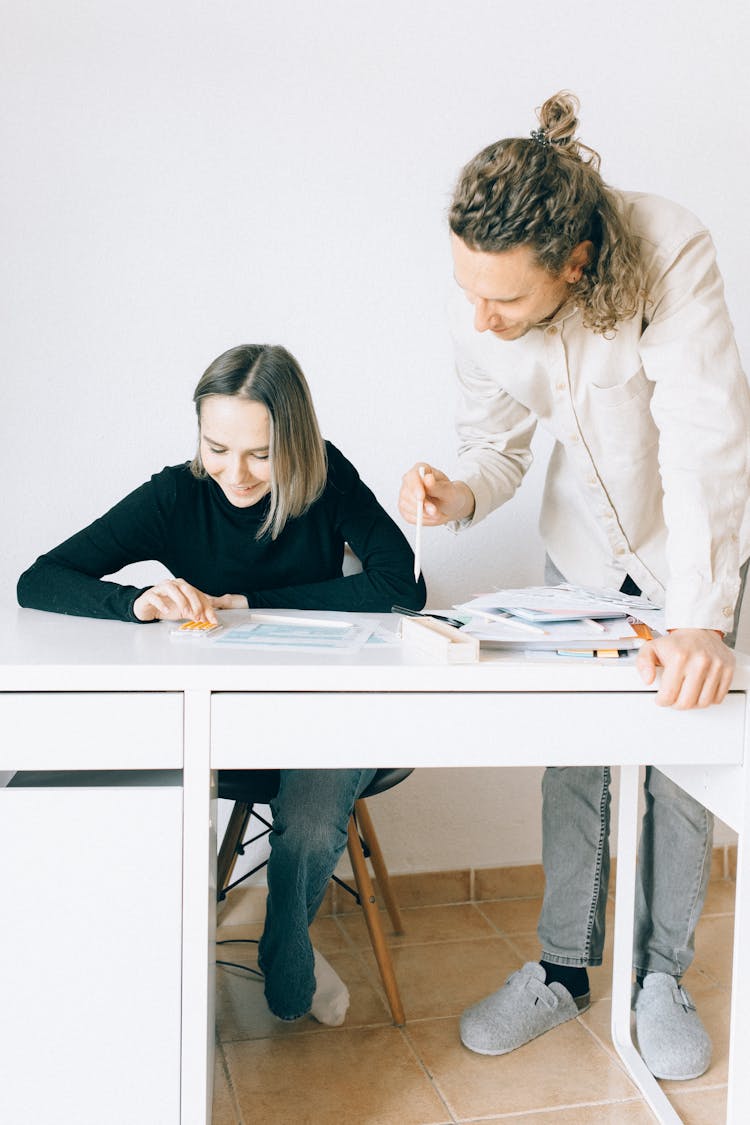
(53, 652)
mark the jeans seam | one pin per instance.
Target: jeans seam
(693, 913)
(596, 889)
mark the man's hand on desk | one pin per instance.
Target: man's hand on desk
(697, 668)
(176, 599)
(444, 499)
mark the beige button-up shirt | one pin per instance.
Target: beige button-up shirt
(649, 475)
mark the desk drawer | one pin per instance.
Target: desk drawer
(328, 729)
(90, 730)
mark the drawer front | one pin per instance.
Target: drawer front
(90, 730)
(328, 729)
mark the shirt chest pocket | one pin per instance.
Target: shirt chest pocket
(636, 387)
(619, 417)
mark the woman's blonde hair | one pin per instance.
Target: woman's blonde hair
(546, 192)
(270, 375)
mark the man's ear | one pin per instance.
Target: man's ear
(579, 258)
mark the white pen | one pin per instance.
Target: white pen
(594, 624)
(278, 619)
(500, 617)
(418, 538)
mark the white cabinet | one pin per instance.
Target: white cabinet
(90, 950)
(91, 882)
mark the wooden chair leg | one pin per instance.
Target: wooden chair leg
(374, 924)
(227, 857)
(367, 828)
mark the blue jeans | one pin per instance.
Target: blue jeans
(674, 863)
(310, 817)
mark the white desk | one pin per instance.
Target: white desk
(81, 694)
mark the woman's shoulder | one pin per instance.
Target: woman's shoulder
(342, 475)
(173, 485)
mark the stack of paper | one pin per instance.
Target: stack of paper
(570, 620)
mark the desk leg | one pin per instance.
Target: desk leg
(622, 971)
(738, 1079)
(198, 914)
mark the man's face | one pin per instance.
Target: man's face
(509, 290)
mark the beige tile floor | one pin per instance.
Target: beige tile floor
(369, 1072)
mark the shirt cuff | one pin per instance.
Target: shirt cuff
(698, 605)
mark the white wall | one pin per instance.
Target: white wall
(182, 176)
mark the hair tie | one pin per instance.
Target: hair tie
(541, 137)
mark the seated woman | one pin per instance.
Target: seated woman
(260, 517)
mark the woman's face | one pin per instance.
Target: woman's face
(234, 447)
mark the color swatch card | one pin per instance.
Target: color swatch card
(295, 637)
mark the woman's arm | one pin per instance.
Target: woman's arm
(68, 579)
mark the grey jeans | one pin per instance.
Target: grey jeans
(674, 862)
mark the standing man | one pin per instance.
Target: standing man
(600, 314)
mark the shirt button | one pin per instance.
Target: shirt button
(561, 386)
(574, 438)
(551, 331)
(593, 482)
(621, 551)
(727, 611)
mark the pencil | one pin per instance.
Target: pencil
(640, 629)
(418, 538)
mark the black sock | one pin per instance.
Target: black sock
(572, 977)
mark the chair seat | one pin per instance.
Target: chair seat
(252, 787)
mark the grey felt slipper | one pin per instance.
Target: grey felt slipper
(671, 1038)
(522, 1009)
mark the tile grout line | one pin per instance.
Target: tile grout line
(453, 1116)
(518, 1115)
(230, 1084)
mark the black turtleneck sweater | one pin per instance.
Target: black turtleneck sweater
(190, 527)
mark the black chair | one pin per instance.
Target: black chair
(248, 788)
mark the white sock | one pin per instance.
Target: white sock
(331, 999)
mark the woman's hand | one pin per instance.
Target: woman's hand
(177, 600)
(444, 499)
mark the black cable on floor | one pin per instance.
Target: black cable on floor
(233, 964)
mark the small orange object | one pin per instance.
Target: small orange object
(194, 629)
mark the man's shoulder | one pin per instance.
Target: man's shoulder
(661, 224)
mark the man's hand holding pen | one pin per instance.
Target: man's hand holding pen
(444, 499)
